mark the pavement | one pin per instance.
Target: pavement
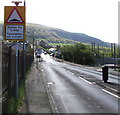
(37, 97)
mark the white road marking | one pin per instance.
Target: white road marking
(50, 82)
(85, 80)
(111, 93)
(54, 103)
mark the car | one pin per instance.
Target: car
(38, 56)
(45, 52)
(52, 54)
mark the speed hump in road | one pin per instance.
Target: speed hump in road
(14, 23)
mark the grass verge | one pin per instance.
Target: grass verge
(15, 103)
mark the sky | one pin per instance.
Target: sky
(96, 18)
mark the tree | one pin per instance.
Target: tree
(78, 54)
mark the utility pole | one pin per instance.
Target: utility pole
(94, 47)
(114, 50)
(33, 43)
(98, 50)
(111, 49)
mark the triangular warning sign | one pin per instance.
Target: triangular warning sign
(14, 17)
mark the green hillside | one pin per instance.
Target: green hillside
(39, 32)
(55, 35)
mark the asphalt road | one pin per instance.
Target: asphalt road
(73, 89)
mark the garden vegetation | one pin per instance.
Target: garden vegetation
(78, 53)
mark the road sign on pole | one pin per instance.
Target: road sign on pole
(14, 23)
(14, 30)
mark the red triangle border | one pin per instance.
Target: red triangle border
(11, 14)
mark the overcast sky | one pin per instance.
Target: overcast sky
(96, 18)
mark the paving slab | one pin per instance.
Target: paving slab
(36, 99)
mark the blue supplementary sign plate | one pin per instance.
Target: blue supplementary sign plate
(14, 32)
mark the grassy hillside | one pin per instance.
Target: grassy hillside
(45, 33)
(54, 35)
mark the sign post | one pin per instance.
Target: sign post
(14, 30)
(17, 76)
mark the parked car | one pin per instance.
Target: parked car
(38, 55)
(45, 52)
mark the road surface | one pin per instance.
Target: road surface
(73, 89)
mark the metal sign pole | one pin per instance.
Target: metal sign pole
(24, 54)
(17, 76)
(24, 58)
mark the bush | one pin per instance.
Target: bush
(78, 54)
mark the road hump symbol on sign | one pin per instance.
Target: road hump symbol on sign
(14, 17)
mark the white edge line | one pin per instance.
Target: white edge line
(85, 80)
(54, 102)
(110, 93)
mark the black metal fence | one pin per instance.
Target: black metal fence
(9, 71)
(102, 61)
